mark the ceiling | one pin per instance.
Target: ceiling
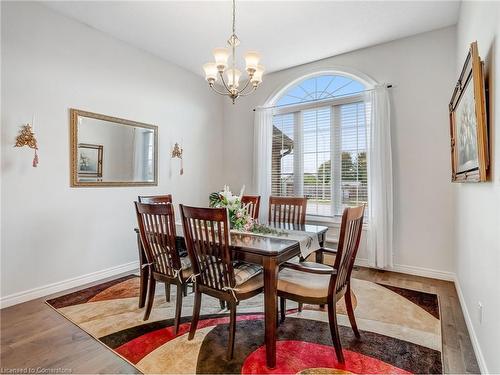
(286, 33)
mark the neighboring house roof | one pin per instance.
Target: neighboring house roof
(281, 141)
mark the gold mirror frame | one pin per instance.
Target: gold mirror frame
(74, 113)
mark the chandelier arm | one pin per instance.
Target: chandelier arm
(249, 92)
(224, 82)
(246, 85)
(219, 92)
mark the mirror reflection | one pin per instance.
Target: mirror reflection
(112, 151)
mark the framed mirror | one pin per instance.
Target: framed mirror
(110, 151)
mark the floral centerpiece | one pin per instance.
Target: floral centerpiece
(239, 218)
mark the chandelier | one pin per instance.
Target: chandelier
(231, 85)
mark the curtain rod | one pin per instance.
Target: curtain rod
(389, 86)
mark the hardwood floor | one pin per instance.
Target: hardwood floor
(35, 336)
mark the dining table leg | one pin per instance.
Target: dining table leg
(270, 307)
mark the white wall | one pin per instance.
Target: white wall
(51, 232)
(422, 70)
(477, 214)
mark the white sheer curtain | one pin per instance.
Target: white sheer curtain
(380, 193)
(263, 139)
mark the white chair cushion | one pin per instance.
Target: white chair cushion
(303, 283)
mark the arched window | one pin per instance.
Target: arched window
(319, 144)
(320, 88)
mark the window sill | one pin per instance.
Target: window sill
(323, 220)
(332, 222)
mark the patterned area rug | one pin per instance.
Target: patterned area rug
(400, 332)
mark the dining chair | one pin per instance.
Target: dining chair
(252, 202)
(318, 284)
(288, 210)
(156, 199)
(158, 237)
(206, 231)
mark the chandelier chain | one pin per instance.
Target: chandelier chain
(234, 17)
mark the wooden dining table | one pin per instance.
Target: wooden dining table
(270, 253)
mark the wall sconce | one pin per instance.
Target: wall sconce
(27, 137)
(177, 153)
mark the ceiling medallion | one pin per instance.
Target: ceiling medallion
(231, 85)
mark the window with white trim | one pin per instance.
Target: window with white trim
(319, 144)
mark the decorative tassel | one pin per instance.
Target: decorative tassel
(35, 159)
(177, 153)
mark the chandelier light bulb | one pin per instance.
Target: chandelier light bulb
(252, 59)
(257, 76)
(221, 55)
(210, 72)
(233, 78)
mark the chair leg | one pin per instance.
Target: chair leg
(334, 330)
(185, 289)
(151, 297)
(300, 306)
(178, 309)
(277, 316)
(143, 287)
(232, 331)
(167, 291)
(196, 314)
(350, 311)
(222, 304)
(282, 309)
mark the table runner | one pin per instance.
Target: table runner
(308, 242)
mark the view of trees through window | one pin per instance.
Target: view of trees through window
(307, 139)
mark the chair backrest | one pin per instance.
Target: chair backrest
(206, 231)
(252, 202)
(157, 231)
(158, 199)
(350, 234)
(289, 210)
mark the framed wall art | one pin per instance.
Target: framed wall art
(90, 160)
(468, 123)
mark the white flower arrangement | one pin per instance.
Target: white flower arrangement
(239, 218)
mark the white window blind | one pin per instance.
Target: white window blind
(320, 153)
(316, 166)
(352, 143)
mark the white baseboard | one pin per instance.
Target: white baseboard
(470, 328)
(411, 270)
(362, 262)
(27, 295)
(424, 272)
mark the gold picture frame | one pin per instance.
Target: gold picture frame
(468, 123)
(90, 162)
